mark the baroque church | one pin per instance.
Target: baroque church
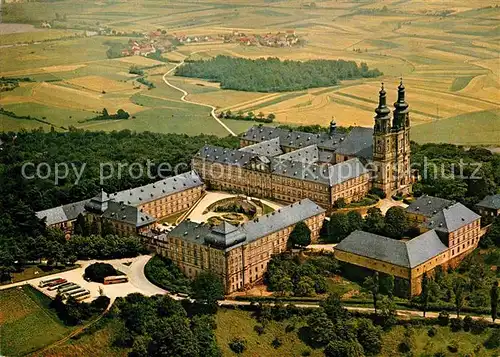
(289, 165)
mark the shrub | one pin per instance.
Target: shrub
(379, 192)
(100, 304)
(238, 345)
(306, 353)
(259, 329)
(444, 318)
(467, 323)
(276, 342)
(98, 271)
(440, 354)
(453, 347)
(432, 332)
(478, 326)
(493, 340)
(339, 203)
(456, 324)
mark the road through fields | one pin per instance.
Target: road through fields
(185, 94)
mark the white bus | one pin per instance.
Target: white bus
(54, 287)
(67, 294)
(115, 279)
(81, 296)
(44, 283)
(67, 288)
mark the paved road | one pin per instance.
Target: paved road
(138, 283)
(185, 94)
(400, 313)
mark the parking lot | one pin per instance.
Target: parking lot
(133, 268)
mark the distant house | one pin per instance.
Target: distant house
(489, 207)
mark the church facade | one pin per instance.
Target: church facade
(289, 165)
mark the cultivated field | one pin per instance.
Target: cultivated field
(447, 53)
(27, 324)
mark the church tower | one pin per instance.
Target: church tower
(401, 129)
(391, 145)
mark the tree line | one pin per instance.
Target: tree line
(455, 172)
(274, 75)
(260, 117)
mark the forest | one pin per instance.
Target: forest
(274, 75)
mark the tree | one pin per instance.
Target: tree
(122, 114)
(458, 290)
(94, 227)
(238, 345)
(371, 284)
(494, 300)
(387, 284)
(355, 221)
(105, 113)
(300, 236)
(98, 271)
(388, 312)
(370, 337)
(208, 287)
(424, 297)
(333, 307)
(81, 226)
(338, 228)
(321, 328)
(271, 117)
(339, 203)
(374, 221)
(339, 348)
(283, 285)
(305, 287)
(396, 222)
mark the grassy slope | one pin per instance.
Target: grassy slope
(27, 322)
(235, 323)
(478, 128)
(98, 343)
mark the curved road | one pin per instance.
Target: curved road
(138, 283)
(185, 94)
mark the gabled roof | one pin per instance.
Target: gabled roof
(269, 148)
(293, 138)
(409, 254)
(127, 214)
(224, 228)
(492, 202)
(424, 247)
(428, 206)
(452, 218)
(281, 218)
(225, 156)
(309, 154)
(226, 236)
(346, 170)
(376, 247)
(158, 189)
(359, 142)
(63, 213)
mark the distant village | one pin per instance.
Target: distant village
(160, 41)
(155, 41)
(279, 39)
